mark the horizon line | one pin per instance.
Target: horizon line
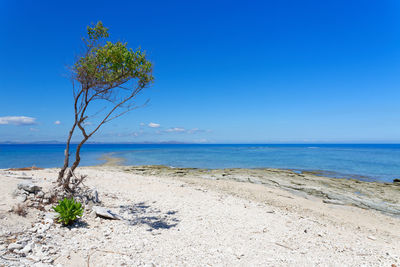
(204, 143)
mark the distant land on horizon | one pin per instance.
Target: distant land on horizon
(54, 142)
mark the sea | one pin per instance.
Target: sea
(370, 162)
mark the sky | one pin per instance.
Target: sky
(225, 71)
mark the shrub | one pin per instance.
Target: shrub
(68, 210)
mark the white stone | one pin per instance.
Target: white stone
(106, 213)
(21, 198)
(26, 249)
(50, 215)
(14, 246)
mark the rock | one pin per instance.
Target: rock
(48, 259)
(333, 201)
(14, 246)
(21, 198)
(89, 196)
(47, 195)
(34, 258)
(95, 196)
(42, 228)
(92, 214)
(18, 192)
(50, 215)
(40, 194)
(107, 233)
(29, 187)
(371, 237)
(105, 213)
(26, 249)
(48, 221)
(397, 180)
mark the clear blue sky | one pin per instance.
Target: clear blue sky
(225, 71)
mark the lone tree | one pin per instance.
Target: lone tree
(106, 79)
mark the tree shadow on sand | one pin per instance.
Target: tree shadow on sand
(141, 213)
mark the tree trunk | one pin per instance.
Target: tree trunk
(74, 165)
(66, 157)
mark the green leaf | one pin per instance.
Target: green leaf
(68, 211)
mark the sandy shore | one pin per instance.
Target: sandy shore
(192, 217)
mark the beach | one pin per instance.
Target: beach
(209, 133)
(198, 217)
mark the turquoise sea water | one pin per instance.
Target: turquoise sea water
(366, 162)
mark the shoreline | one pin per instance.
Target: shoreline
(111, 160)
(340, 164)
(344, 191)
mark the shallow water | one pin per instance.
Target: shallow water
(376, 162)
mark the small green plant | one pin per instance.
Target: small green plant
(68, 210)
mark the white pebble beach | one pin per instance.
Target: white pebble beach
(186, 220)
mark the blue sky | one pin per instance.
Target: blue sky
(225, 71)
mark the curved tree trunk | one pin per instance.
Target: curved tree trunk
(66, 157)
(66, 181)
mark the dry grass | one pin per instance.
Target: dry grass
(20, 210)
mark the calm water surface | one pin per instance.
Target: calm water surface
(370, 162)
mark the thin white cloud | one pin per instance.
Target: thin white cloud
(33, 130)
(57, 122)
(136, 134)
(153, 125)
(142, 124)
(195, 130)
(17, 120)
(175, 130)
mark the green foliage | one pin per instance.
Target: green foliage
(68, 210)
(98, 31)
(110, 64)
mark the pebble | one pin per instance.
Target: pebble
(26, 249)
(106, 213)
(29, 187)
(21, 198)
(14, 246)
